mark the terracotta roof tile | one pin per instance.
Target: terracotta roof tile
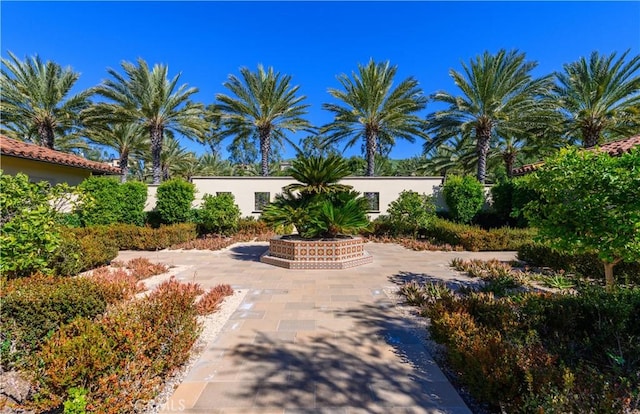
(613, 148)
(14, 148)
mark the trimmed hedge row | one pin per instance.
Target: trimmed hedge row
(475, 239)
(587, 265)
(131, 237)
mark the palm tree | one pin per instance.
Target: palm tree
(127, 139)
(36, 104)
(264, 104)
(175, 160)
(318, 175)
(600, 98)
(373, 110)
(499, 97)
(151, 99)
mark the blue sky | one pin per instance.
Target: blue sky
(312, 41)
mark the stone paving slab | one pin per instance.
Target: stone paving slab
(316, 341)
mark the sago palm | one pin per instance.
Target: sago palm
(599, 98)
(148, 97)
(499, 97)
(371, 109)
(263, 105)
(318, 175)
(36, 100)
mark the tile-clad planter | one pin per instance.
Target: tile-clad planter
(292, 253)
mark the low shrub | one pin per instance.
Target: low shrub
(122, 357)
(535, 352)
(475, 239)
(131, 237)
(33, 308)
(409, 213)
(249, 225)
(211, 300)
(586, 265)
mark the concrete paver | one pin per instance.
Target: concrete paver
(316, 341)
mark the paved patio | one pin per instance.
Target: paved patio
(315, 341)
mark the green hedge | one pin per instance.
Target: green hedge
(587, 265)
(131, 237)
(477, 239)
(109, 202)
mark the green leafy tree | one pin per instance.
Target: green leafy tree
(262, 107)
(218, 214)
(371, 109)
(29, 224)
(173, 201)
(499, 97)
(411, 212)
(599, 98)
(148, 97)
(588, 203)
(36, 100)
(464, 197)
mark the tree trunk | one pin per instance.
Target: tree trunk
(482, 148)
(156, 153)
(590, 135)
(371, 138)
(47, 138)
(124, 166)
(265, 147)
(608, 273)
(509, 158)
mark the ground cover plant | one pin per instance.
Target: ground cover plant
(121, 345)
(521, 351)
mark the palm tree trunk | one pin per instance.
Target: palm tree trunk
(371, 152)
(124, 166)
(509, 158)
(590, 137)
(265, 147)
(482, 149)
(156, 152)
(47, 138)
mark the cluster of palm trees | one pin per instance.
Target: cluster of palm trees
(501, 114)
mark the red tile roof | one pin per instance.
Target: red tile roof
(14, 148)
(614, 148)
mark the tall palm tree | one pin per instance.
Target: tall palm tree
(148, 97)
(372, 110)
(264, 104)
(128, 139)
(499, 97)
(599, 98)
(175, 159)
(36, 102)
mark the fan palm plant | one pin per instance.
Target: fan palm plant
(318, 175)
(148, 97)
(264, 105)
(599, 98)
(372, 110)
(36, 102)
(499, 97)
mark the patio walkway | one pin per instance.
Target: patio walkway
(315, 341)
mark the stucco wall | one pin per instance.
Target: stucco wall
(244, 189)
(43, 171)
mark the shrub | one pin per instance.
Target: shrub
(134, 197)
(211, 300)
(509, 199)
(174, 198)
(464, 197)
(130, 237)
(35, 307)
(249, 225)
(474, 238)
(410, 213)
(29, 225)
(586, 264)
(218, 214)
(122, 357)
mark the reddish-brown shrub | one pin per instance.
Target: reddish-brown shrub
(142, 268)
(211, 300)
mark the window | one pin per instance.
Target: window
(261, 200)
(374, 201)
(222, 192)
